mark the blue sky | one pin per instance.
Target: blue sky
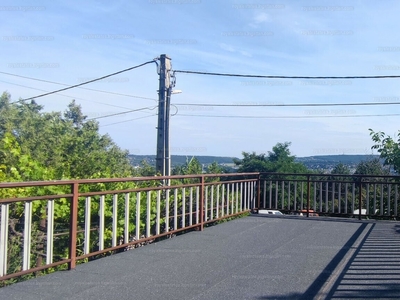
(69, 42)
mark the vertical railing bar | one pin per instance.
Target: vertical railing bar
(206, 203)
(191, 206)
(315, 197)
(158, 212)
(115, 220)
(276, 194)
(167, 210)
(339, 197)
(327, 197)
(265, 194)
(50, 232)
(367, 199)
(137, 233)
(175, 209)
(101, 222)
(202, 179)
(197, 205)
(252, 195)
(354, 197)
(320, 196)
(302, 196)
(233, 198)
(183, 221)
(227, 199)
(346, 197)
(283, 195)
(389, 188)
(289, 200)
(237, 197)
(217, 204)
(381, 202)
(27, 236)
(395, 200)
(4, 239)
(73, 225)
(360, 199)
(270, 194)
(223, 200)
(374, 204)
(295, 196)
(88, 213)
(308, 195)
(241, 196)
(212, 203)
(126, 225)
(333, 197)
(148, 213)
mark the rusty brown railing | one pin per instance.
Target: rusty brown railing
(45, 226)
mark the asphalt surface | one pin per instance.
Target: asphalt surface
(256, 257)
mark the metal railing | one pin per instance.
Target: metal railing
(46, 226)
(331, 195)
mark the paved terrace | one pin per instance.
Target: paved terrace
(257, 257)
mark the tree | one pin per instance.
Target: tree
(214, 168)
(371, 167)
(279, 160)
(341, 169)
(388, 148)
(252, 162)
(68, 144)
(191, 166)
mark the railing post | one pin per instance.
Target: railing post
(359, 197)
(73, 225)
(308, 196)
(258, 192)
(201, 203)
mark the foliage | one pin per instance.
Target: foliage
(278, 160)
(341, 169)
(388, 148)
(371, 167)
(67, 145)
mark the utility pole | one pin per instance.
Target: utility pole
(164, 95)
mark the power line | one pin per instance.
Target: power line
(287, 105)
(89, 89)
(87, 82)
(288, 117)
(287, 77)
(95, 118)
(28, 87)
(128, 120)
(122, 113)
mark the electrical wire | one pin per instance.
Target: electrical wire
(73, 97)
(122, 113)
(128, 120)
(288, 77)
(89, 89)
(289, 117)
(86, 82)
(288, 105)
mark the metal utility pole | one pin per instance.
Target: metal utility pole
(164, 94)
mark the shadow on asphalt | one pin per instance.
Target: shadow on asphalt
(373, 271)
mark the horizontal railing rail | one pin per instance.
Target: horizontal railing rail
(45, 226)
(333, 195)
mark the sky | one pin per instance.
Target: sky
(70, 42)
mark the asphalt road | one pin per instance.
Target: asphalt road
(256, 257)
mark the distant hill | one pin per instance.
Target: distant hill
(177, 160)
(326, 162)
(319, 162)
